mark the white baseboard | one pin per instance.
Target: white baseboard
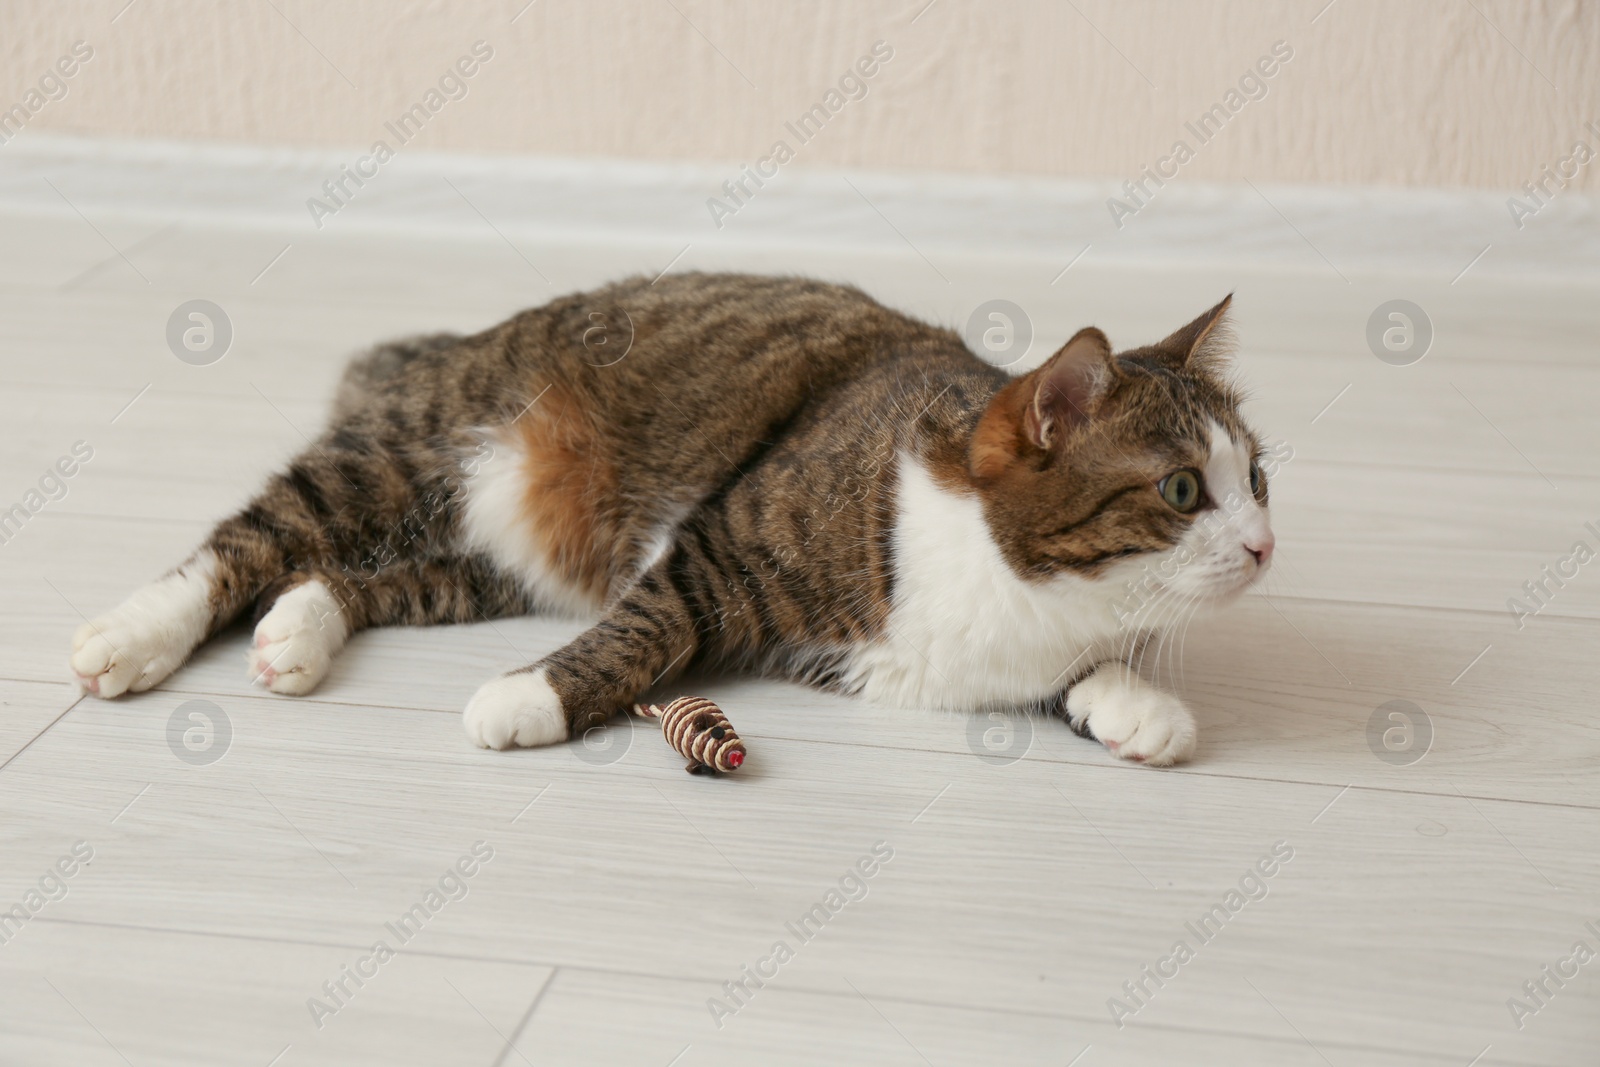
(1348, 231)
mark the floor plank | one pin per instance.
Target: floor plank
(95, 995)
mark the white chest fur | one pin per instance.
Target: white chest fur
(495, 521)
(964, 630)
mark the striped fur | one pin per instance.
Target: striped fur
(726, 494)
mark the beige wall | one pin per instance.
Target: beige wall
(1456, 93)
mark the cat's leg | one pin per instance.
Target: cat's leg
(649, 635)
(306, 617)
(1132, 718)
(135, 645)
(145, 638)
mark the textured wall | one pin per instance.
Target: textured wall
(1476, 93)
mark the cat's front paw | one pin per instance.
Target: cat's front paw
(517, 709)
(1133, 719)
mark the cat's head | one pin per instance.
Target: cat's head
(1105, 466)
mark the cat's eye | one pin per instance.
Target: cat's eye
(1258, 481)
(1181, 490)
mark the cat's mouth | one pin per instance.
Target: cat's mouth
(1230, 586)
(1215, 581)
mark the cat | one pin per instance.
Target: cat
(762, 473)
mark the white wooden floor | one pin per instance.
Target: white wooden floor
(622, 895)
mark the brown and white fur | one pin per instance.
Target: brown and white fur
(779, 475)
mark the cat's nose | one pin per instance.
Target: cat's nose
(1260, 546)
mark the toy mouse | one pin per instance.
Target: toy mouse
(699, 732)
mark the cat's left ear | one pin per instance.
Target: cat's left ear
(1068, 389)
(1037, 411)
(1204, 344)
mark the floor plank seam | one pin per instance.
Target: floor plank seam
(1188, 771)
(795, 989)
(527, 1016)
(41, 733)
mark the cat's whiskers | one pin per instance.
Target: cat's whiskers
(1170, 610)
(1142, 629)
(1150, 630)
(1280, 577)
(1186, 616)
(1182, 641)
(1136, 630)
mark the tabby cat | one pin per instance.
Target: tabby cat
(738, 471)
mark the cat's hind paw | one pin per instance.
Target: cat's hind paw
(121, 653)
(519, 709)
(145, 638)
(1133, 719)
(296, 640)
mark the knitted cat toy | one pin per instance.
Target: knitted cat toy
(699, 732)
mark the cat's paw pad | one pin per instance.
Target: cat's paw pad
(147, 637)
(1133, 720)
(296, 640)
(121, 653)
(515, 710)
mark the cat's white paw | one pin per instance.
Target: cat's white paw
(148, 636)
(1133, 719)
(296, 640)
(516, 709)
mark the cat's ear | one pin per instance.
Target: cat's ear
(1204, 344)
(1039, 409)
(1068, 389)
